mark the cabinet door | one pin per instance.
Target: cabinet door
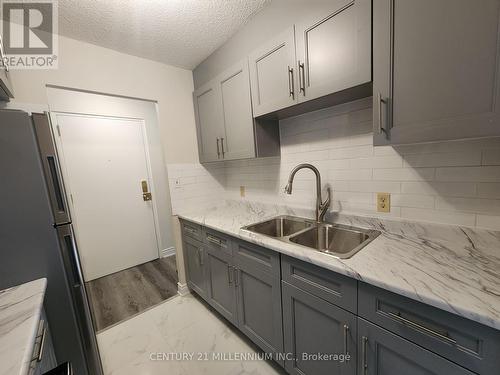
(259, 301)
(311, 326)
(195, 266)
(237, 137)
(209, 121)
(383, 353)
(221, 291)
(334, 49)
(436, 70)
(273, 75)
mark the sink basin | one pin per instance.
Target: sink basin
(281, 226)
(338, 240)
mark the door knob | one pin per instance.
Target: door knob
(146, 195)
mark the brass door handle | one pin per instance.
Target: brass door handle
(146, 195)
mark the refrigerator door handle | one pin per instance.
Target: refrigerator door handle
(51, 167)
(66, 237)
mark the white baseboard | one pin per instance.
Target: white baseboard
(182, 289)
(167, 252)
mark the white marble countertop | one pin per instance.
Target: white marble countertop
(20, 310)
(452, 268)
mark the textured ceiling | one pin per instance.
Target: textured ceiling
(176, 32)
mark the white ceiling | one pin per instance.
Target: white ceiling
(176, 32)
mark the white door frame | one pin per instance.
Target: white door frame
(62, 161)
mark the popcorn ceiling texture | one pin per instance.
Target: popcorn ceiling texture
(176, 32)
(454, 183)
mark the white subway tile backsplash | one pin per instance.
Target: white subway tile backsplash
(436, 216)
(468, 174)
(450, 182)
(404, 174)
(449, 159)
(491, 157)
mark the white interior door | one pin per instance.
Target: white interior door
(105, 161)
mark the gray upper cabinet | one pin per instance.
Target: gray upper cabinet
(226, 128)
(383, 353)
(209, 121)
(237, 142)
(435, 70)
(334, 49)
(273, 74)
(311, 326)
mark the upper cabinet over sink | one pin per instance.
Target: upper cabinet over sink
(323, 55)
(435, 70)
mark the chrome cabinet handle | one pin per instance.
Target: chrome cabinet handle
(229, 274)
(302, 78)
(237, 277)
(380, 128)
(346, 337)
(218, 152)
(43, 328)
(190, 230)
(222, 146)
(419, 327)
(291, 84)
(214, 240)
(364, 364)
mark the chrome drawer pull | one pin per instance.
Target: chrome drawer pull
(346, 336)
(190, 230)
(214, 240)
(363, 355)
(420, 327)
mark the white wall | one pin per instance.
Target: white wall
(89, 67)
(454, 183)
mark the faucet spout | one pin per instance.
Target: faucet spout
(321, 207)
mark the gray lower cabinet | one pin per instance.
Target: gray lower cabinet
(436, 70)
(384, 353)
(195, 265)
(313, 326)
(258, 286)
(221, 291)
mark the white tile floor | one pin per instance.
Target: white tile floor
(179, 325)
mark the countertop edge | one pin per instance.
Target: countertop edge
(279, 246)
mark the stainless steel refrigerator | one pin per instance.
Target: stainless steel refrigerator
(36, 235)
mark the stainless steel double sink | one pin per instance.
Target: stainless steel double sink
(337, 240)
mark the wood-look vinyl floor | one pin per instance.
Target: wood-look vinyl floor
(123, 294)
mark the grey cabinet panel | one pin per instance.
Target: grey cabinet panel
(259, 296)
(273, 75)
(237, 141)
(330, 286)
(195, 266)
(436, 68)
(460, 340)
(209, 121)
(334, 49)
(191, 230)
(312, 325)
(221, 291)
(383, 353)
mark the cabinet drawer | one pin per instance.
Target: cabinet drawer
(256, 256)
(216, 240)
(191, 230)
(330, 286)
(460, 340)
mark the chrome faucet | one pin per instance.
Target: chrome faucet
(321, 207)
